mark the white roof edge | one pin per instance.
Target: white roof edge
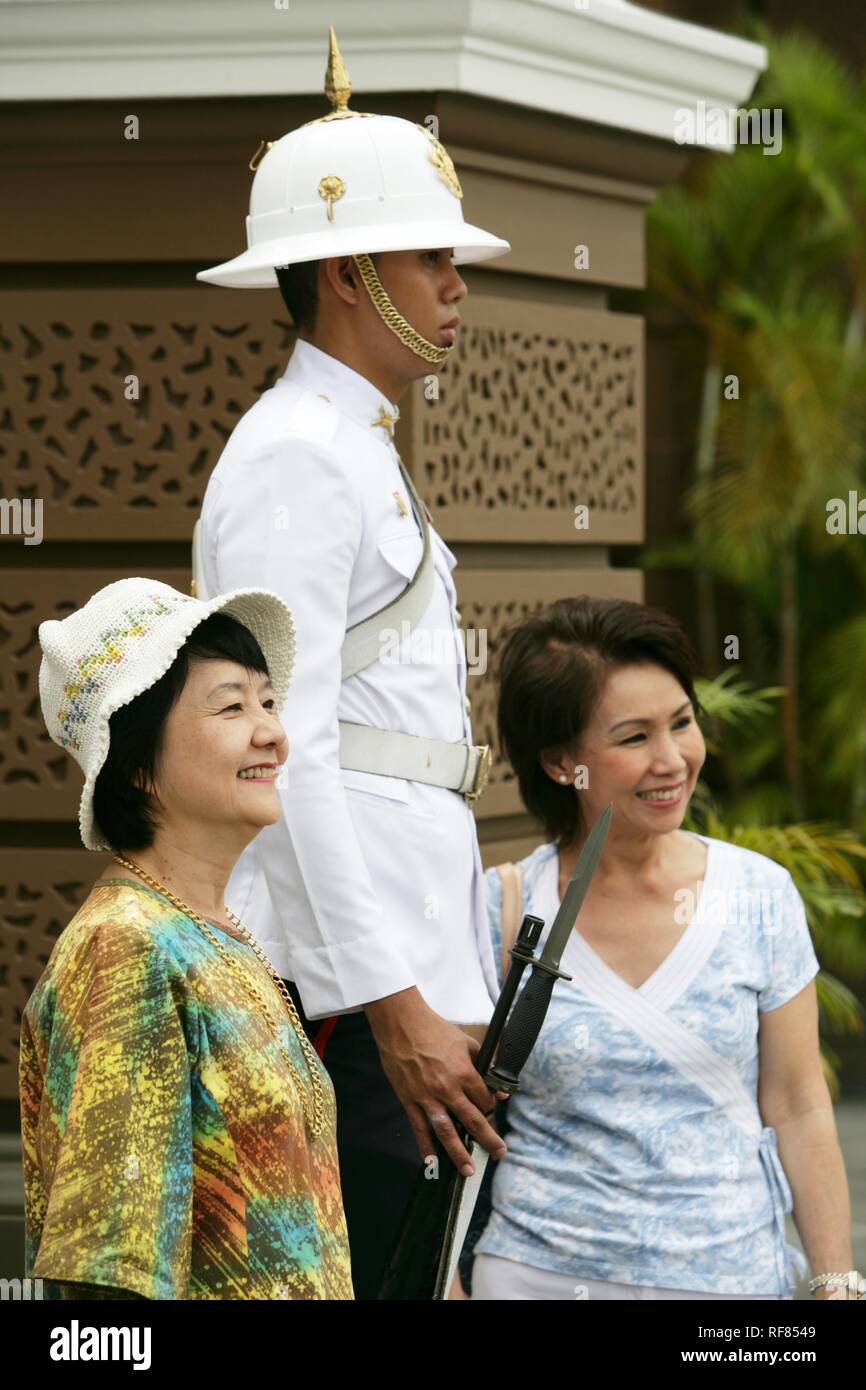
(613, 62)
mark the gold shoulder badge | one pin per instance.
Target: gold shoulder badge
(442, 162)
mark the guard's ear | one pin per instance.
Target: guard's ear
(342, 276)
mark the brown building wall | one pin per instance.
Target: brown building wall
(541, 409)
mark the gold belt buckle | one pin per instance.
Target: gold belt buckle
(482, 771)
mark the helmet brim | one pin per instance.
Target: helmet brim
(254, 269)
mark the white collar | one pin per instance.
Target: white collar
(351, 393)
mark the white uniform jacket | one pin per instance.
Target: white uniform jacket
(368, 884)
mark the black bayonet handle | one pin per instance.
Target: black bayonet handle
(523, 1027)
(522, 954)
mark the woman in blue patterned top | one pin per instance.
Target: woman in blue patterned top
(642, 1147)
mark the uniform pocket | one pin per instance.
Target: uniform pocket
(386, 793)
(390, 788)
(402, 550)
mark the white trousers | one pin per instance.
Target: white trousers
(496, 1278)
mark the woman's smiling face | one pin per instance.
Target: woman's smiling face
(643, 751)
(223, 723)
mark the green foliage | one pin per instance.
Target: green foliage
(762, 260)
(817, 857)
(821, 858)
(733, 700)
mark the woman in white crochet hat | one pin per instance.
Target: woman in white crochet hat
(178, 1127)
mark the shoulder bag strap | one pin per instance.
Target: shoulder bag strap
(512, 910)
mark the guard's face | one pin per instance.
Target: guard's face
(642, 750)
(224, 724)
(427, 289)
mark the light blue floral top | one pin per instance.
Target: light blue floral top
(636, 1151)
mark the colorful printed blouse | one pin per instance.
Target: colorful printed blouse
(164, 1144)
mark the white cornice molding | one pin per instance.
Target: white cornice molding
(612, 62)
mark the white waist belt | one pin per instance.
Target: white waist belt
(461, 767)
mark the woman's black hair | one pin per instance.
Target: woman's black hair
(125, 813)
(552, 671)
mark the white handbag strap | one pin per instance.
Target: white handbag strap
(362, 644)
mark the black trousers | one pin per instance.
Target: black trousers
(379, 1159)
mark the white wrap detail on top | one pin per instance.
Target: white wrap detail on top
(636, 1149)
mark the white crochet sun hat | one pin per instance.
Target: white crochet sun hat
(119, 644)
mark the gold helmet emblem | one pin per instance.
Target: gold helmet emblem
(442, 162)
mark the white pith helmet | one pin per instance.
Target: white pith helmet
(350, 183)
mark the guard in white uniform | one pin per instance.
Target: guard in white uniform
(371, 884)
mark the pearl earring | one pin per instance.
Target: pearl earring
(563, 776)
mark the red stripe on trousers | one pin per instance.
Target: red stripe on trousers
(320, 1041)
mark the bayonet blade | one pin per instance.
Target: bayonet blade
(578, 885)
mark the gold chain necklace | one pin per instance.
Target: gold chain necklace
(314, 1111)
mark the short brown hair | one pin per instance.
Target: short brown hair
(551, 674)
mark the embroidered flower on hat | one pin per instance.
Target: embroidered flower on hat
(111, 644)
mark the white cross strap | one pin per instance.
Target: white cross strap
(362, 644)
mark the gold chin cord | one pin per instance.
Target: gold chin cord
(392, 317)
